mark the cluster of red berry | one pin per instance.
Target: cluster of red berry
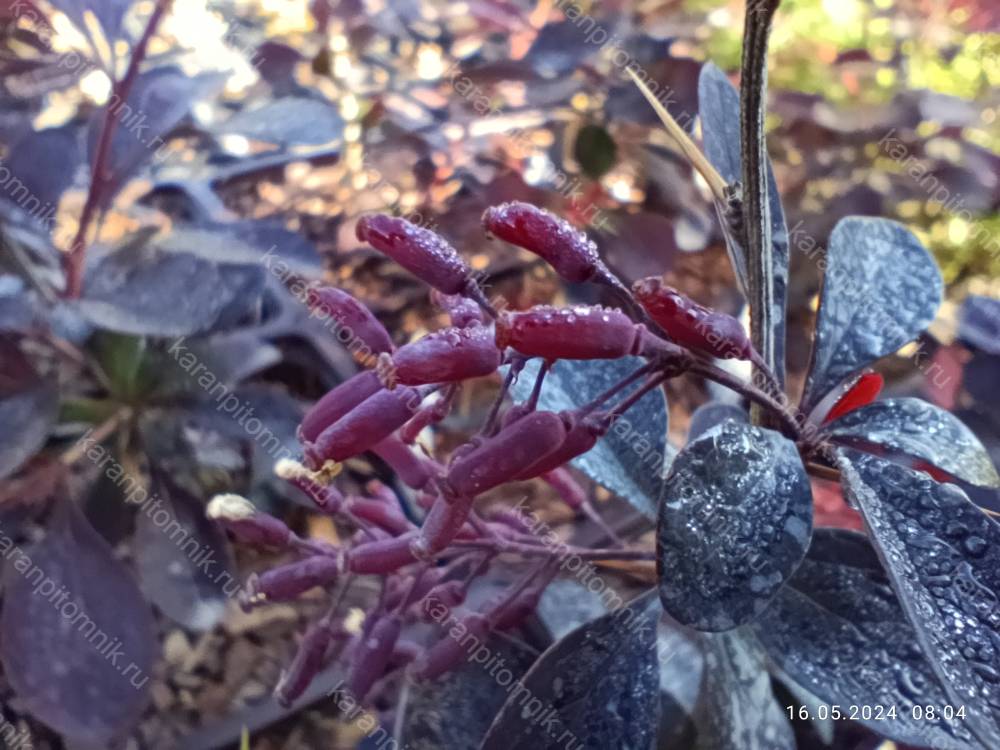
(383, 409)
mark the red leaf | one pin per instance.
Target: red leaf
(861, 394)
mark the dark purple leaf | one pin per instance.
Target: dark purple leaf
(181, 556)
(160, 99)
(719, 109)
(109, 13)
(19, 309)
(288, 121)
(943, 558)
(735, 521)
(838, 631)
(921, 430)
(78, 640)
(980, 323)
(738, 710)
(881, 289)
(560, 47)
(148, 293)
(600, 685)
(707, 416)
(28, 409)
(456, 710)
(630, 459)
(279, 250)
(42, 165)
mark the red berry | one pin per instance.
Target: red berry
(444, 521)
(383, 515)
(420, 251)
(566, 249)
(366, 425)
(308, 661)
(581, 437)
(337, 403)
(414, 471)
(580, 332)
(372, 654)
(690, 324)
(446, 356)
(381, 556)
(865, 390)
(287, 582)
(507, 454)
(249, 525)
(451, 651)
(364, 335)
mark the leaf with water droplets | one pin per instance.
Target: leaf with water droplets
(921, 430)
(597, 688)
(737, 709)
(719, 109)
(77, 637)
(838, 631)
(881, 289)
(707, 416)
(455, 710)
(735, 522)
(943, 558)
(630, 459)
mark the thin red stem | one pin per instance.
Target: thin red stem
(73, 260)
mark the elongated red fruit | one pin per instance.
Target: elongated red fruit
(306, 665)
(337, 403)
(249, 525)
(442, 524)
(387, 517)
(414, 471)
(507, 454)
(579, 332)
(420, 251)
(287, 582)
(690, 324)
(862, 393)
(581, 437)
(372, 654)
(452, 651)
(356, 326)
(382, 556)
(566, 249)
(445, 356)
(364, 426)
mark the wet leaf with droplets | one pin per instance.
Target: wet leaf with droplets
(735, 522)
(455, 710)
(78, 643)
(923, 431)
(737, 709)
(881, 289)
(598, 688)
(838, 631)
(629, 460)
(943, 558)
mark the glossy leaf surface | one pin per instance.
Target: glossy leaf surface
(735, 521)
(838, 630)
(738, 710)
(597, 688)
(921, 430)
(943, 558)
(881, 289)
